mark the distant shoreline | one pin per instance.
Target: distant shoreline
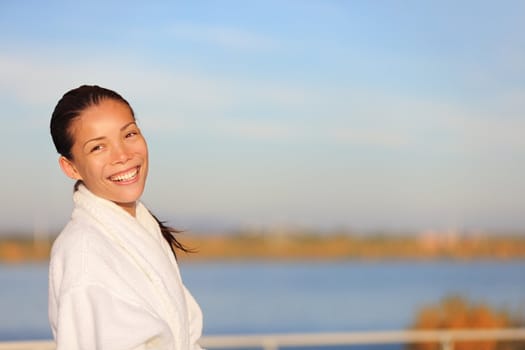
(302, 246)
(351, 247)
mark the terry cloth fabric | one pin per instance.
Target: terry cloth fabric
(114, 283)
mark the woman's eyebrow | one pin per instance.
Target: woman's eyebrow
(94, 139)
(128, 124)
(103, 137)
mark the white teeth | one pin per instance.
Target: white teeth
(126, 176)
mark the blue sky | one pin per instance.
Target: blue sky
(364, 115)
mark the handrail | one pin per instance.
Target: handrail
(446, 338)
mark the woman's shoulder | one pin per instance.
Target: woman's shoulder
(79, 245)
(75, 238)
(81, 255)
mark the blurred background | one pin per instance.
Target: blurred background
(312, 151)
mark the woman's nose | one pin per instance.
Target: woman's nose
(121, 154)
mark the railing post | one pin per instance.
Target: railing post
(270, 345)
(447, 344)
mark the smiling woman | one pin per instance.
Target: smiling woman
(114, 281)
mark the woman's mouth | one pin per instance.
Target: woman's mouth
(126, 176)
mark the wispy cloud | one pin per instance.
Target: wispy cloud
(172, 100)
(371, 137)
(41, 82)
(490, 136)
(257, 130)
(228, 37)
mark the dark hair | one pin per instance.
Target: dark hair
(68, 108)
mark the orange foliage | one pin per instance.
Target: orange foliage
(16, 251)
(457, 313)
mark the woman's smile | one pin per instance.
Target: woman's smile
(126, 177)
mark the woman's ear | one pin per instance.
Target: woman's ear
(69, 168)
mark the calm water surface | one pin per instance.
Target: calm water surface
(261, 297)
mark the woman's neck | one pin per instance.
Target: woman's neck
(131, 208)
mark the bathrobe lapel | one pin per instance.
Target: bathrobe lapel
(141, 241)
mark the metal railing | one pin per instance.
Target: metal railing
(446, 338)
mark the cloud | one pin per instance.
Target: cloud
(371, 137)
(490, 136)
(42, 81)
(172, 99)
(257, 130)
(227, 37)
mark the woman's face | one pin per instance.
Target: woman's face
(109, 153)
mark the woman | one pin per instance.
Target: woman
(114, 281)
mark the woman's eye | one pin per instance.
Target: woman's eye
(131, 134)
(96, 148)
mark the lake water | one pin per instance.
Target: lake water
(262, 297)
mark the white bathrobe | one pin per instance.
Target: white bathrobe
(114, 283)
